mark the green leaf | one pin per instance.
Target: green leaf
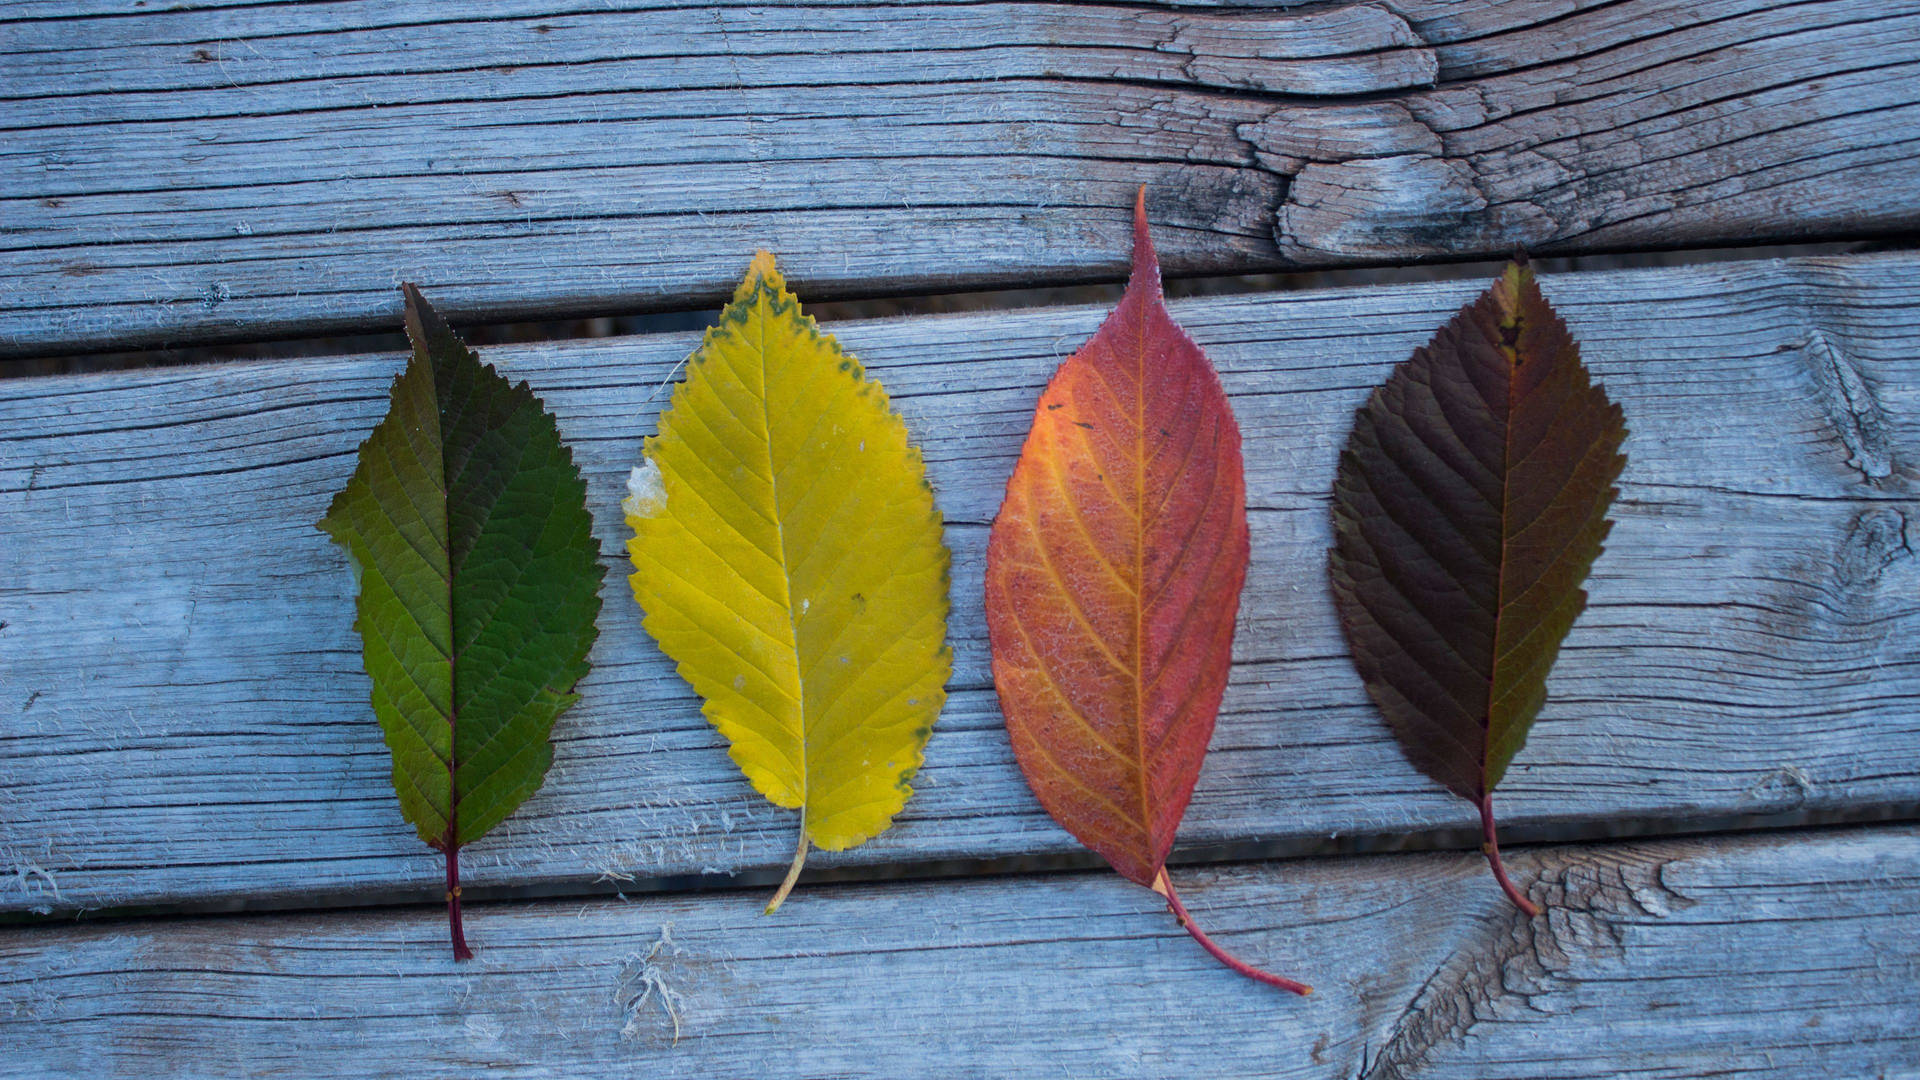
(787, 554)
(1471, 501)
(467, 526)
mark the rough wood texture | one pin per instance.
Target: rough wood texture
(186, 719)
(232, 171)
(1783, 956)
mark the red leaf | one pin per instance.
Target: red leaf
(1113, 578)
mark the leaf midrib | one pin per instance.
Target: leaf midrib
(1511, 356)
(453, 646)
(763, 294)
(1149, 818)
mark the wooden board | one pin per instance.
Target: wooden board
(1783, 955)
(241, 171)
(186, 719)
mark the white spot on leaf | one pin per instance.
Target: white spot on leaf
(646, 494)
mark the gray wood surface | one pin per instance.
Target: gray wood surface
(1788, 956)
(238, 171)
(184, 718)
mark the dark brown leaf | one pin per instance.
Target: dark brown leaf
(1471, 501)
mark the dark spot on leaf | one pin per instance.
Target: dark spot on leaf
(1510, 336)
(1084, 424)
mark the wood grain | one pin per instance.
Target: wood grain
(184, 718)
(239, 171)
(1768, 956)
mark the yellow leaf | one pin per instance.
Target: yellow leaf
(787, 554)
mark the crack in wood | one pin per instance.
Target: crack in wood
(1587, 899)
(1852, 404)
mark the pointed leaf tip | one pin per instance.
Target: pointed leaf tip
(1515, 289)
(412, 304)
(427, 329)
(1146, 264)
(761, 268)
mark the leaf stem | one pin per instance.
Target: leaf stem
(793, 875)
(460, 950)
(1491, 848)
(1164, 886)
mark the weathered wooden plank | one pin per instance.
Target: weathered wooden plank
(183, 716)
(234, 171)
(1789, 955)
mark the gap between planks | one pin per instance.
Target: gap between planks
(680, 320)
